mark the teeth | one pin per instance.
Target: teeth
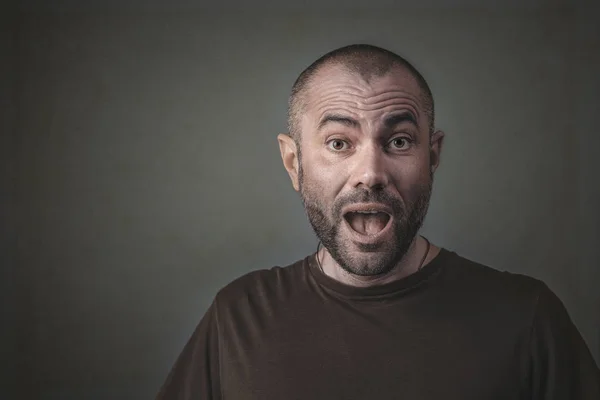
(368, 212)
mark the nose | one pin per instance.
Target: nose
(369, 169)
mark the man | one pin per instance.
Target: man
(378, 312)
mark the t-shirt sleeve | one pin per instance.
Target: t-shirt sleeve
(195, 374)
(562, 367)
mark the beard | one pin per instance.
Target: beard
(366, 259)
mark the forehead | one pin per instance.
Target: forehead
(335, 87)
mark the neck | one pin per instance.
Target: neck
(408, 265)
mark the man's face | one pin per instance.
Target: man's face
(365, 171)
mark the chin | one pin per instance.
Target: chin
(367, 263)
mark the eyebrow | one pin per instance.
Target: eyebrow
(400, 118)
(340, 119)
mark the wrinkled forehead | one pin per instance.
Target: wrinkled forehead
(338, 87)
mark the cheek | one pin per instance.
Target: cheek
(410, 177)
(322, 178)
(317, 184)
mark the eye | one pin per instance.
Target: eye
(337, 145)
(400, 143)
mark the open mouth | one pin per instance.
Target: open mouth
(367, 222)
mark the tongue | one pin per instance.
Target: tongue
(368, 224)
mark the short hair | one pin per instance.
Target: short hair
(366, 60)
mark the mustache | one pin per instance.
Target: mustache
(369, 196)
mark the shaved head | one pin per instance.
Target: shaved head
(364, 60)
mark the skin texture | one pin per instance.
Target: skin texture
(367, 144)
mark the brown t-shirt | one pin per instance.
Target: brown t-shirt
(453, 330)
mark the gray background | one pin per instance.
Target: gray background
(140, 169)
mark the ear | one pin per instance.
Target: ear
(289, 155)
(435, 149)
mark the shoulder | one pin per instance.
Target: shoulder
(473, 274)
(471, 281)
(262, 284)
